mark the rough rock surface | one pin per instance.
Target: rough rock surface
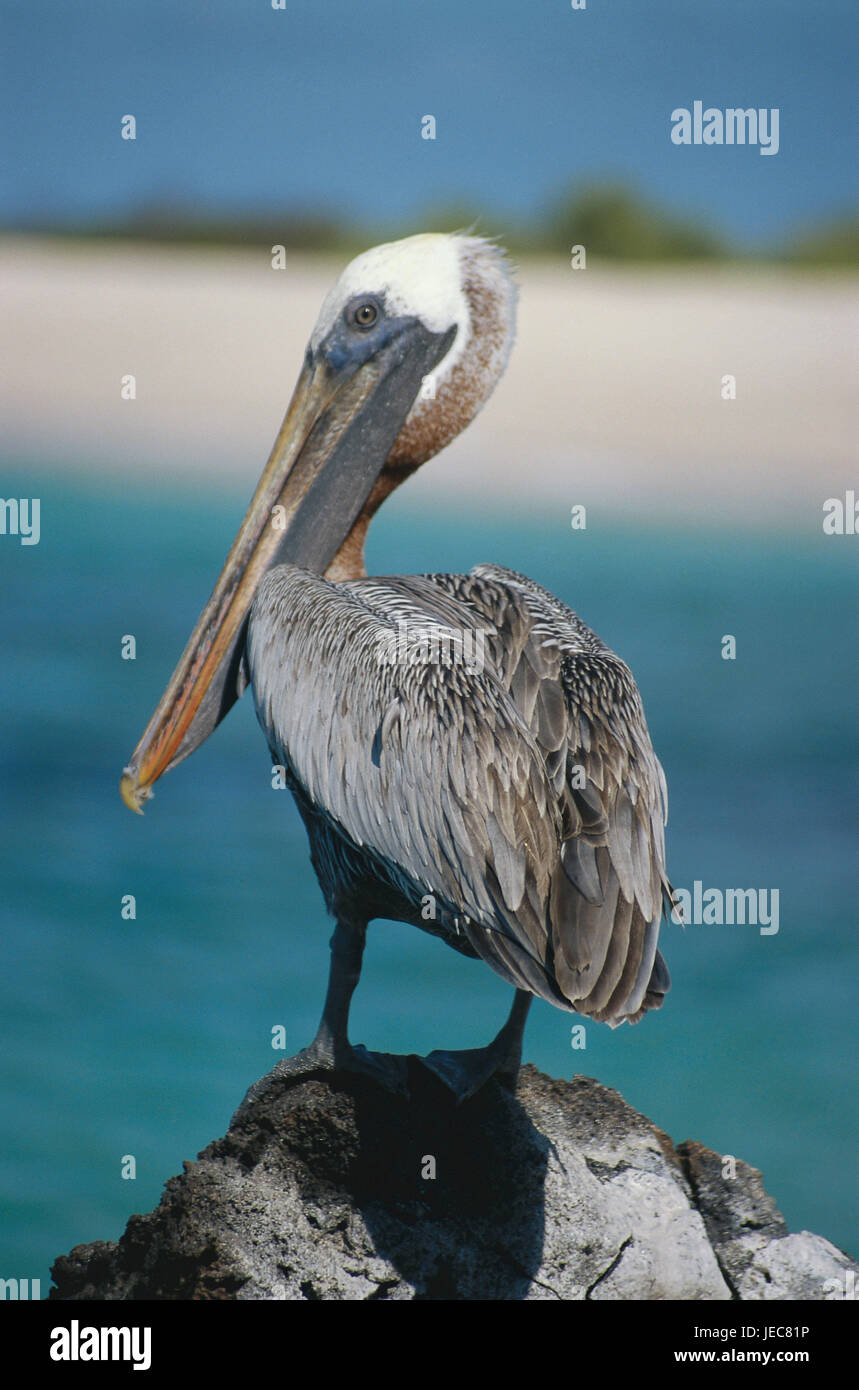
(321, 1189)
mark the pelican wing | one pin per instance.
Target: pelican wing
(443, 723)
(582, 705)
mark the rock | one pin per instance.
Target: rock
(757, 1255)
(322, 1188)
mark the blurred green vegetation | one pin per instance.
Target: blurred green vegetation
(836, 244)
(612, 221)
(619, 224)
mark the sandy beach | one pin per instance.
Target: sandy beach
(613, 397)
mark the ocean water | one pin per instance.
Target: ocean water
(140, 1037)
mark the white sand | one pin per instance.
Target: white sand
(612, 397)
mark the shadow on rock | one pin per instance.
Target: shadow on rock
(328, 1187)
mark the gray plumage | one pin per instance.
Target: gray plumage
(523, 801)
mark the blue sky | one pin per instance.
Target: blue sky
(243, 108)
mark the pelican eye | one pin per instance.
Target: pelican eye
(365, 315)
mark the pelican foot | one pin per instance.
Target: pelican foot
(384, 1068)
(465, 1072)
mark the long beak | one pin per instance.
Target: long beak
(337, 433)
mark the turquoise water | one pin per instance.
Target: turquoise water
(140, 1037)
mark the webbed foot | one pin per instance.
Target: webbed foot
(463, 1073)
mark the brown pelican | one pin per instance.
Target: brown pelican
(492, 782)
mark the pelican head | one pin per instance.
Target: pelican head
(456, 286)
(409, 344)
